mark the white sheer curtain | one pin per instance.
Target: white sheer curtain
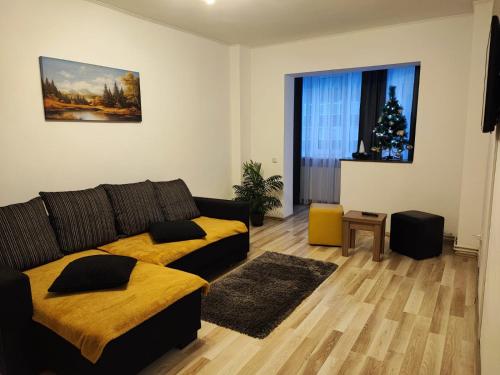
(330, 125)
(403, 78)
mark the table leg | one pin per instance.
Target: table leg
(352, 238)
(376, 242)
(382, 239)
(346, 239)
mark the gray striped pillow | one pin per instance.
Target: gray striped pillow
(135, 206)
(26, 237)
(82, 219)
(176, 200)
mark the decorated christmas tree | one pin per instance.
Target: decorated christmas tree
(390, 131)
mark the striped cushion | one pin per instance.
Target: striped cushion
(135, 206)
(26, 237)
(176, 200)
(81, 219)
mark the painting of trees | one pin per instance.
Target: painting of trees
(86, 92)
(132, 89)
(50, 89)
(107, 97)
(117, 98)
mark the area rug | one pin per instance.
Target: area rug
(255, 298)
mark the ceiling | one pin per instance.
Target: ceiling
(261, 22)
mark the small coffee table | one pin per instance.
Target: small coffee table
(355, 220)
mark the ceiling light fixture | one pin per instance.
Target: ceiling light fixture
(210, 2)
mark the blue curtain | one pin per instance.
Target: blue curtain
(403, 78)
(330, 125)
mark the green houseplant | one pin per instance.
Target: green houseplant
(258, 191)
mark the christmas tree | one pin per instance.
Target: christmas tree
(390, 131)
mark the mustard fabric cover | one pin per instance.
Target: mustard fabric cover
(325, 224)
(90, 320)
(142, 246)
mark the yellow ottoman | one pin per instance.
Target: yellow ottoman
(325, 224)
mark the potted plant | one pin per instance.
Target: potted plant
(259, 192)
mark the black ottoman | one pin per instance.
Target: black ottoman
(417, 234)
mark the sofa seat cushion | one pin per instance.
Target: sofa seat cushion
(90, 320)
(142, 246)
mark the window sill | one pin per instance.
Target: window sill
(378, 161)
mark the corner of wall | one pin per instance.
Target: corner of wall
(239, 71)
(475, 157)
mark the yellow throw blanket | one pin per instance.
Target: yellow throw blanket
(90, 320)
(143, 248)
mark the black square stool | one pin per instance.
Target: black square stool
(417, 234)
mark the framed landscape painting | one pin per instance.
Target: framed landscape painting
(74, 91)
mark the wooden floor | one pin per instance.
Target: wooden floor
(398, 316)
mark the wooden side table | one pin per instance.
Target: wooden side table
(355, 220)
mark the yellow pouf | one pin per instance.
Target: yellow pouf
(325, 224)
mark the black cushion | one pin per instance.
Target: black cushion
(172, 231)
(81, 219)
(135, 206)
(94, 272)
(26, 238)
(417, 234)
(176, 200)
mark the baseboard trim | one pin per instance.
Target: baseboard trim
(466, 251)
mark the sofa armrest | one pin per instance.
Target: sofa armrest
(224, 209)
(15, 322)
(15, 295)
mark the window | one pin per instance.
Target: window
(403, 79)
(341, 109)
(330, 115)
(334, 113)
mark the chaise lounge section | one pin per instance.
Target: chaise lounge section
(29, 346)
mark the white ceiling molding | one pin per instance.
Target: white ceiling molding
(263, 22)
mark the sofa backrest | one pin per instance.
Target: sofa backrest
(175, 200)
(82, 219)
(135, 206)
(27, 239)
(85, 219)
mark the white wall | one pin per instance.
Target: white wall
(476, 146)
(185, 99)
(486, 221)
(432, 182)
(490, 326)
(239, 67)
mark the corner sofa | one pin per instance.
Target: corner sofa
(34, 244)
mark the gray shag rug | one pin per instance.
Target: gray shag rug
(255, 298)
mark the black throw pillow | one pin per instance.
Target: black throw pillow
(172, 231)
(94, 272)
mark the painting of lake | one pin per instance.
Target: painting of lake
(74, 91)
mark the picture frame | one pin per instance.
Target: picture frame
(76, 91)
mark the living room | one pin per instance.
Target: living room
(218, 90)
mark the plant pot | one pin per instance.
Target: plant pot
(257, 219)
